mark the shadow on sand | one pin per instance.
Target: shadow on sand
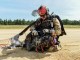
(18, 52)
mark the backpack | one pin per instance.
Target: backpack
(61, 23)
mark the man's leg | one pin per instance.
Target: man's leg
(28, 38)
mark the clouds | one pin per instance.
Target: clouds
(13, 10)
(68, 9)
(22, 8)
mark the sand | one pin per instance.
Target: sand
(70, 47)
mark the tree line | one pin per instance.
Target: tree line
(15, 22)
(27, 22)
(71, 22)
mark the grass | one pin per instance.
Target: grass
(72, 26)
(23, 26)
(12, 26)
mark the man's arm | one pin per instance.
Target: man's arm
(57, 26)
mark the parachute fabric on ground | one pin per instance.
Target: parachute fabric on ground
(15, 41)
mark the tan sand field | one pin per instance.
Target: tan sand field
(70, 47)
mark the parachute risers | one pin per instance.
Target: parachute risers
(3, 45)
(4, 42)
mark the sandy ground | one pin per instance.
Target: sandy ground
(70, 47)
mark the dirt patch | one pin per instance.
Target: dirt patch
(70, 47)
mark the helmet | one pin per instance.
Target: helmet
(42, 10)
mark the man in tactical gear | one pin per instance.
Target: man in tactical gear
(55, 22)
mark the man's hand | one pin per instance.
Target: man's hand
(54, 34)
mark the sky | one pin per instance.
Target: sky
(21, 9)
